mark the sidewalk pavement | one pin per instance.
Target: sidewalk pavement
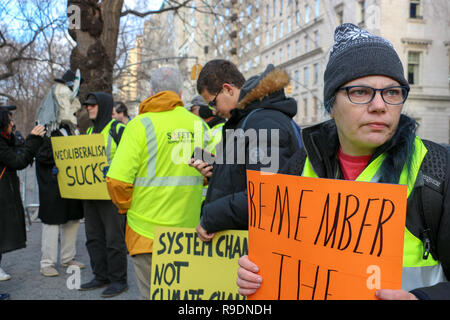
(27, 283)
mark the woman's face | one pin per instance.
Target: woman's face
(9, 129)
(364, 127)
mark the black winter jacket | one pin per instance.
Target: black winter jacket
(225, 206)
(53, 209)
(12, 215)
(320, 145)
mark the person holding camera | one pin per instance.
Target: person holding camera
(13, 158)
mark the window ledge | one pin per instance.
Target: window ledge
(417, 20)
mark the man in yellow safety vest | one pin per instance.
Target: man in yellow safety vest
(150, 179)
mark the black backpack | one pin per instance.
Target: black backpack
(434, 172)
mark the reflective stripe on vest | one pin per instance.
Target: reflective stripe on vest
(167, 191)
(417, 272)
(151, 180)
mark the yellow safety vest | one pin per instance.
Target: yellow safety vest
(417, 272)
(216, 134)
(110, 144)
(153, 156)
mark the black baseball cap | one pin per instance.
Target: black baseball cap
(90, 100)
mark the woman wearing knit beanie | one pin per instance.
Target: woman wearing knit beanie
(368, 136)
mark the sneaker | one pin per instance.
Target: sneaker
(93, 284)
(74, 263)
(114, 289)
(49, 272)
(4, 296)
(4, 276)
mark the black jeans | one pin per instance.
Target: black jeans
(105, 240)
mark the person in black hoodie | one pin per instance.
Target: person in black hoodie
(257, 106)
(105, 238)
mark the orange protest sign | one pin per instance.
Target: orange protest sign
(316, 239)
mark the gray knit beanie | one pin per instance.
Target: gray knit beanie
(357, 53)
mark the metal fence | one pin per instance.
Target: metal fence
(30, 192)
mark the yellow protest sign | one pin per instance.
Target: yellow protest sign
(80, 161)
(327, 239)
(186, 268)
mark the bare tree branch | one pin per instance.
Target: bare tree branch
(147, 13)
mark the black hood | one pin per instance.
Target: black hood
(265, 91)
(105, 103)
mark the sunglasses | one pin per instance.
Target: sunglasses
(212, 103)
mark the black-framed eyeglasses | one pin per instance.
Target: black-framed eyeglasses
(212, 103)
(394, 95)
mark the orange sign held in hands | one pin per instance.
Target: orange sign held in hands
(316, 239)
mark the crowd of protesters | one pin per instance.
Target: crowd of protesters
(367, 138)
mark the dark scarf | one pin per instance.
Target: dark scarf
(5, 135)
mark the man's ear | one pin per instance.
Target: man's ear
(229, 88)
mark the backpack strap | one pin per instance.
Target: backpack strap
(248, 116)
(433, 173)
(113, 132)
(3, 171)
(298, 133)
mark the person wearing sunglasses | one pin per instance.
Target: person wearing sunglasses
(258, 106)
(369, 139)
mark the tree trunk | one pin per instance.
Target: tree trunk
(95, 53)
(96, 40)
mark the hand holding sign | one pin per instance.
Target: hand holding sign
(80, 162)
(323, 239)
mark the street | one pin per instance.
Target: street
(27, 283)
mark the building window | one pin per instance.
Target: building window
(316, 39)
(306, 75)
(305, 108)
(257, 40)
(361, 11)
(281, 56)
(274, 7)
(274, 29)
(339, 17)
(297, 18)
(415, 9)
(306, 44)
(314, 109)
(297, 79)
(249, 10)
(267, 38)
(289, 24)
(289, 52)
(281, 29)
(316, 73)
(297, 48)
(306, 14)
(256, 61)
(317, 8)
(281, 7)
(413, 67)
(267, 11)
